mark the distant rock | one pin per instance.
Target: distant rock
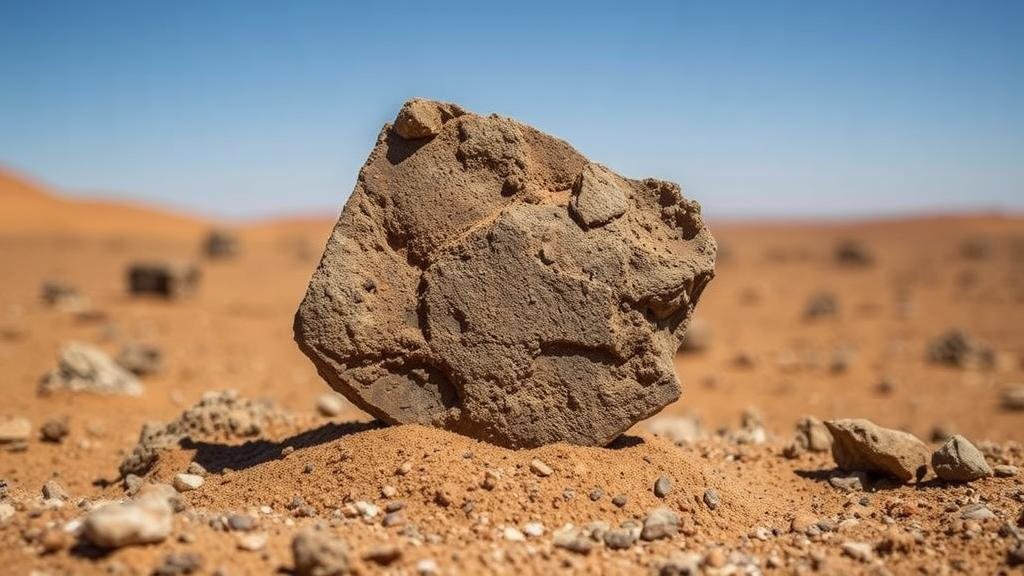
(853, 253)
(1012, 397)
(959, 349)
(221, 244)
(140, 358)
(821, 305)
(164, 279)
(14, 429)
(859, 444)
(960, 461)
(85, 368)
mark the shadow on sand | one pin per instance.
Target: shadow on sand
(218, 457)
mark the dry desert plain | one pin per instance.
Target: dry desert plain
(787, 330)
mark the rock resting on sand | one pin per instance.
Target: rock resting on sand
(486, 278)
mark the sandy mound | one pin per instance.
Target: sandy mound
(339, 464)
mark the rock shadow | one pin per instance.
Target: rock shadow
(399, 148)
(625, 441)
(218, 457)
(875, 482)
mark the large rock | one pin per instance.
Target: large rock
(486, 278)
(862, 445)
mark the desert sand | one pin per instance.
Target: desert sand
(409, 499)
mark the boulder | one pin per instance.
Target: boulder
(486, 278)
(862, 445)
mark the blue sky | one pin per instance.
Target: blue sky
(757, 109)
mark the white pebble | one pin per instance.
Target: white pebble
(186, 482)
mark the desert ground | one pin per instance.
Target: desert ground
(787, 330)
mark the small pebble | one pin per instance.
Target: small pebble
(512, 534)
(427, 567)
(384, 555)
(187, 482)
(711, 498)
(54, 430)
(540, 468)
(619, 538)
(241, 522)
(533, 529)
(330, 405)
(620, 500)
(1005, 470)
(662, 486)
(252, 542)
(53, 490)
(858, 551)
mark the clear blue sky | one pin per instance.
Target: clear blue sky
(759, 108)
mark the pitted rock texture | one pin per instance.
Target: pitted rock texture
(486, 278)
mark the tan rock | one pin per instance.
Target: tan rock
(861, 445)
(492, 281)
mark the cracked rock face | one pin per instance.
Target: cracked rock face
(486, 278)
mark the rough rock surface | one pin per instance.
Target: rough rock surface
(861, 445)
(486, 278)
(85, 368)
(960, 461)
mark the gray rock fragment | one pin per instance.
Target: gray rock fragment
(960, 461)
